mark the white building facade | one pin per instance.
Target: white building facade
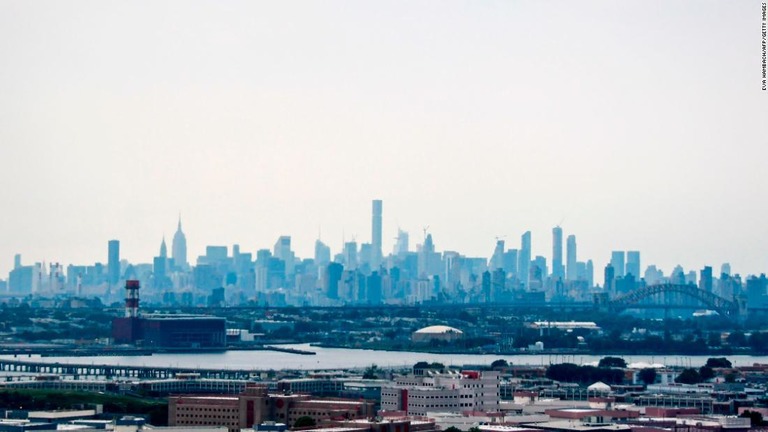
(450, 391)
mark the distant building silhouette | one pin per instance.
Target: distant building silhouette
(350, 255)
(633, 264)
(322, 253)
(705, 281)
(179, 248)
(570, 260)
(282, 250)
(590, 276)
(618, 262)
(609, 278)
(558, 271)
(497, 259)
(401, 247)
(113, 262)
(524, 260)
(376, 253)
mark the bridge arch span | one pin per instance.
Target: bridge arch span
(720, 305)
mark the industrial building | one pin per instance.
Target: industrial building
(166, 331)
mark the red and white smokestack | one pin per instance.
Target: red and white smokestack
(131, 298)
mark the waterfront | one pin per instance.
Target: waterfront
(342, 358)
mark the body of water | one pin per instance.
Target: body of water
(342, 358)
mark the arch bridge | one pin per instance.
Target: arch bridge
(714, 302)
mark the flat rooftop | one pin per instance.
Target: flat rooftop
(566, 425)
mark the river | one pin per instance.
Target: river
(342, 358)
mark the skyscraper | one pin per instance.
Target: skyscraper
(633, 264)
(570, 253)
(350, 255)
(617, 262)
(524, 257)
(113, 262)
(705, 281)
(401, 247)
(557, 253)
(322, 253)
(163, 249)
(376, 235)
(497, 259)
(590, 276)
(609, 278)
(179, 248)
(282, 250)
(428, 259)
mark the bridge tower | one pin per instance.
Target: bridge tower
(741, 307)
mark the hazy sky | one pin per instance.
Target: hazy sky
(635, 124)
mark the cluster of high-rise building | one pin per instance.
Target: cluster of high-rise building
(360, 273)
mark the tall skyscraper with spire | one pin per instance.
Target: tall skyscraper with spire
(160, 268)
(376, 255)
(179, 248)
(163, 249)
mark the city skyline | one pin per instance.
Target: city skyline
(618, 258)
(479, 120)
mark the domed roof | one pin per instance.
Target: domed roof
(599, 386)
(438, 329)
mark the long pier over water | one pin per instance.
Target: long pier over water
(76, 370)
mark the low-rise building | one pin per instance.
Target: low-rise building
(449, 391)
(255, 406)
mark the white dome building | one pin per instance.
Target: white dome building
(437, 332)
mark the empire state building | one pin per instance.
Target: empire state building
(179, 249)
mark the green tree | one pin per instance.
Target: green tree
(718, 362)
(755, 418)
(304, 421)
(612, 362)
(688, 376)
(452, 429)
(706, 373)
(371, 372)
(648, 375)
(500, 363)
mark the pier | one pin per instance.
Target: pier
(76, 370)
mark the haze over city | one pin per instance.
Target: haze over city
(393, 216)
(633, 125)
